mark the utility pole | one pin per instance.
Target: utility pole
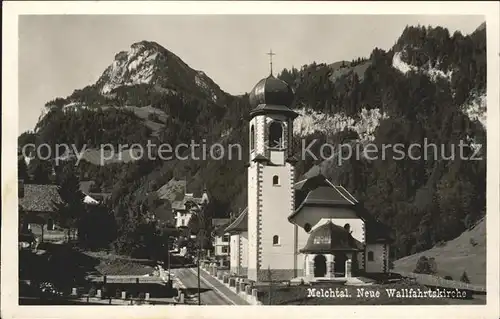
(270, 278)
(201, 209)
(168, 258)
(199, 256)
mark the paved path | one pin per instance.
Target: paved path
(212, 291)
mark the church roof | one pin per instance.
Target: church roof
(240, 224)
(312, 182)
(327, 196)
(330, 237)
(319, 191)
(272, 95)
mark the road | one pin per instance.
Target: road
(212, 291)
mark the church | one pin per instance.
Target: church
(306, 229)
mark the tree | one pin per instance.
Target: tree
(201, 225)
(97, 227)
(465, 278)
(425, 266)
(22, 170)
(40, 171)
(68, 213)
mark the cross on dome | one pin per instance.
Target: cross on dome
(270, 53)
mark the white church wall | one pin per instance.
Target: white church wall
(277, 205)
(377, 264)
(258, 123)
(302, 237)
(235, 252)
(317, 216)
(252, 220)
(244, 253)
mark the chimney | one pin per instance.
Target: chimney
(20, 188)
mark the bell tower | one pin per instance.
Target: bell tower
(271, 250)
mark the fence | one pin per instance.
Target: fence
(88, 300)
(438, 282)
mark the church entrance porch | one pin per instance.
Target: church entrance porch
(329, 266)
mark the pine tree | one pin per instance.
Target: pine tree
(68, 213)
(464, 278)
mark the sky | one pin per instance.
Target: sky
(61, 53)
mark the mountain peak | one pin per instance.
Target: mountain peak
(482, 26)
(149, 45)
(136, 66)
(150, 64)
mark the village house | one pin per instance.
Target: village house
(184, 209)
(92, 194)
(221, 240)
(238, 247)
(37, 204)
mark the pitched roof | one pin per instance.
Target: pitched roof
(327, 196)
(39, 198)
(219, 221)
(240, 224)
(319, 191)
(221, 229)
(173, 190)
(311, 182)
(85, 186)
(181, 204)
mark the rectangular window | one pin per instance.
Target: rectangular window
(225, 238)
(225, 249)
(370, 256)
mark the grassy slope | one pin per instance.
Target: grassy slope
(456, 256)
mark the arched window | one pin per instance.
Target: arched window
(276, 135)
(348, 228)
(370, 256)
(252, 138)
(276, 240)
(276, 180)
(50, 224)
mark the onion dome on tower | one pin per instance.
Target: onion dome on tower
(272, 95)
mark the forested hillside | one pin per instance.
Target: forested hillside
(430, 85)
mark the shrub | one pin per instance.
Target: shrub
(426, 266)
(465, 278)
(448, 277)
(441, 243)
(94, 188)
(433, 265)
(92, 291)
(473, 242)
(155, 118)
